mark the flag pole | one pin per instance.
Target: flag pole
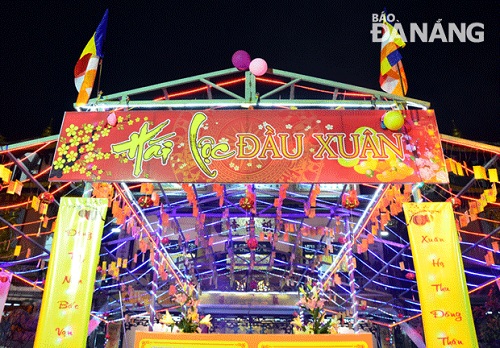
(401, 79)
(99, 78)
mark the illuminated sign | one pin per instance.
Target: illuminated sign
(249, 146)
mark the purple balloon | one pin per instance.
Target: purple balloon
(241, 60)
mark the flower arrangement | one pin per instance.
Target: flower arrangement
(190, 321)
(315, 316)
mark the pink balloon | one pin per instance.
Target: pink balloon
(258, 66)
(241, 60)
(111, 119)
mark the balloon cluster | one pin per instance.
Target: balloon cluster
(242, 61)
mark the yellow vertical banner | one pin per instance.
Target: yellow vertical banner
(442, 288)
(67, 296)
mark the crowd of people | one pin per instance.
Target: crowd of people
(19, 326)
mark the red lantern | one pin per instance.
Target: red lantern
(350, 200)
(246, 203)
(46, 197)
(410, 276)
(252, 243)
(455, 202)
(341, 240)
(145, 202)
(165, 240)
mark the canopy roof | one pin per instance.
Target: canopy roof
(212, 251)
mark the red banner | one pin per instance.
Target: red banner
(249, 146)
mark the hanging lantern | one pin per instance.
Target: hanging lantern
(165, 240)
(145, 202)
(341, 240)
(246, 203)
(46, 197)
(410, 276)
(252, 243)
(455, 202)
(350, 200)
(102, 190)
(363, 306)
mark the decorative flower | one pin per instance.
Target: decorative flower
(88, 128)
(59, 163)
(312, 307)
(297, 322)
(206, 320)
(71, 130)
(71, 156)
(190, 321)
(63, 149)
(105, 132)
(167, 319)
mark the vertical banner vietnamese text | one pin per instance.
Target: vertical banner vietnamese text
(442, 288)
(67, 297)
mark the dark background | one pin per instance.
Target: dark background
(157, 41)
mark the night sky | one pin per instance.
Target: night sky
(148, 44)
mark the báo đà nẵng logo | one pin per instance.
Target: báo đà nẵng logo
(438, 31)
